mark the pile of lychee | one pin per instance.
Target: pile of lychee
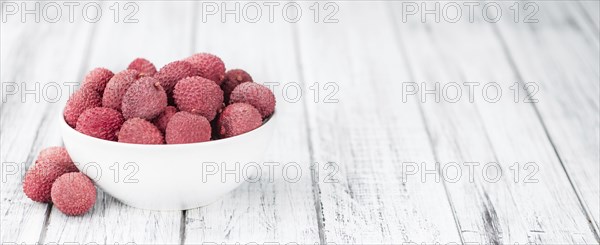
(55, 178)
(186, 101)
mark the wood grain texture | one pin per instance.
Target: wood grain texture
(356, 154)
(368, 134)
(568, 80)
(591, 11)
(29, 120)
(268, 210)
(114, 45)
(505, 132)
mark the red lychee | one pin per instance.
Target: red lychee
(162, 119)
(100, 122)
(171, 73)
(51, 163)
(208, 66)
(232, 79)
(80, 101)
(117, 87)
(256, 95)
(144, 66)
(57, 155)
(97, 79)
(73, 193)
(237, 119)
(145, 99)
(140, 131)
(198, 95)
(185, 127)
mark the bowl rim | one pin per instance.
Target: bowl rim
(267, 122)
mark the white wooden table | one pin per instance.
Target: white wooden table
(375, 154)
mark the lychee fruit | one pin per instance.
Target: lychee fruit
(198, 95)
(208, 66)
(51, 163)
(73, 193)
(80, 101)
(171, 73)
(256, 95)
(140, 131)
(100, 122)
(185, 127)
(232, 79)
(97, 79)
(164, 117)
(117, 87)
(145, 99)
(144, 66)
(237, 119)
(56, 154)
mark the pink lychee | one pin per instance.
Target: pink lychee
(256, 95)
(140, 131)
(198, 95)
(73, 193)
(80, 101)
(145, 99)
(232, 79)
(162, 119)
(100, 122)
(185, 127)
(171, 73)
(144, 66)
(117, 87)
(237, 119)
(97, 79)
(208, 66)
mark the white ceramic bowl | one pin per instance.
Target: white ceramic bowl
(169, 177)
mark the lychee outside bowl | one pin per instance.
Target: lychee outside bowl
(169, 177)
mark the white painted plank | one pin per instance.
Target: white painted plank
(265, 211)
(508, 210)
(47, 55)
(163, 34)
(569, 78)
(591, 11)
(368, 134)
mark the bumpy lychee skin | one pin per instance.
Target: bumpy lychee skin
(100, 122)
(145, 99)
(185, 127)
(80, 101)
(171, 73)
(164, 117)
(140, 131)
(73, 193)
(232, 79)
(117, 87)
(237, 119)
(50, 164)
(97, 79)
(208, 66)
(144, 66)
(256, 95)
(198, 95)
(56, 154)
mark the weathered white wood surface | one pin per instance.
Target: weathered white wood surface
(569, 81)
(510, 209)
(365, 142)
